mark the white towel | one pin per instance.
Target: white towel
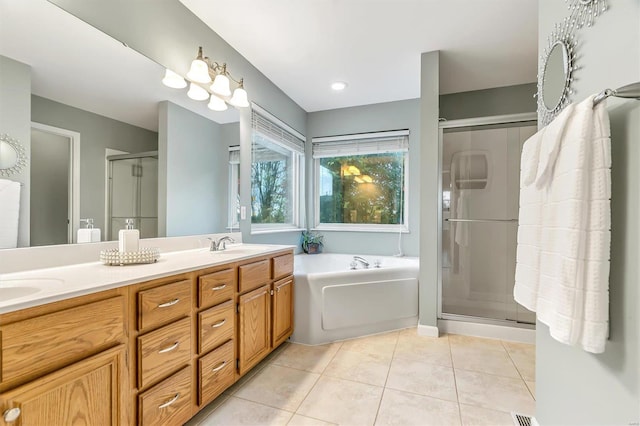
(9, 213)
(562, 269)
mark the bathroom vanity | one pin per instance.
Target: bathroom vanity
(146, 344)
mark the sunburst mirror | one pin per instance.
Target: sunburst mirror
(555, 74)
(585, 12)
(12, 156)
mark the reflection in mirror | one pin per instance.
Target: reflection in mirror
(12, 156)
(554, 79)
(111, 103)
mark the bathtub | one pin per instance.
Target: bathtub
(333, 302)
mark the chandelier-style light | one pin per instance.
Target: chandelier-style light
(202, 72)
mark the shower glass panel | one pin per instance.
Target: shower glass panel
(480, 191)
(133, 193)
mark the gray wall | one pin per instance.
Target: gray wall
(49, 188)
(429, 235)
(167, 32)
(370, 118)
(574, 387)
(484, 103)
(193, 173)
(97, 133)
(15, 121)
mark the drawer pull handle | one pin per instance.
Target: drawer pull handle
(220, 367)
(167, 304)
(12, 414)
(170, 348)
(168, 403)
(219, 323)
(220, 287)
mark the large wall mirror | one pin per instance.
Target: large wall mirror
(96, 103)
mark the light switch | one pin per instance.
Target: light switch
(243, 212)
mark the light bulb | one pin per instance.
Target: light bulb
(239, 98)
(220, 85)
(217, 104)
(199, 72)
(338, 86)
(197, 93)
(173, 80)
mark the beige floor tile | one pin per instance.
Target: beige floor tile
(379, 344)
(476, 416)
(434, 350)
(532, 387)
(520, 348)
(298, 420)
(235, 411)
(309, 358)
(278, 387)
(342, 402)
(244, 379)
(484, 360)
(494, 392)
(422, 378)
(402, 408)
(206, 411)
(359, 367)
(524, 357)
(475, 342)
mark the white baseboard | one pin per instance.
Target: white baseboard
(428, 330)
(491, 331)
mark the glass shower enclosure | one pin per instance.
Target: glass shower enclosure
(480, 182)
(133, 193)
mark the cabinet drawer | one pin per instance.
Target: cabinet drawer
(216, 288)
(163, 350)
(163, 304)
(282, 266)
(253, 275)
(167, 403)
(215, 326)
(43, 344)
(216, 372)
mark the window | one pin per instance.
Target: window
(276, 173)
(234, 188)
(361, 181)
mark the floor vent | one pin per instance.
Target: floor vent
(521, 419)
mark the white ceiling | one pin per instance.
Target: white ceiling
(375, 45)
(300, 45)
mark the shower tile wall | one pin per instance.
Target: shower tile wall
(480, 191)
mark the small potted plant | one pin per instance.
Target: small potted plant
(311, 242)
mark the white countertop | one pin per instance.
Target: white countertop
(54, 284)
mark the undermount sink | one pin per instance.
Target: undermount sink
(17, 288)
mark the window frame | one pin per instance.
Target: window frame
(234, 192)
(361, 227)
(297, 174)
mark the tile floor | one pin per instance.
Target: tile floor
(396, 378)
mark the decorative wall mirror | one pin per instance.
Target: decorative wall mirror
(585, 11)
(555, 72)
(12, 156)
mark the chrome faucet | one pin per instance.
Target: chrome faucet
(221, 244)
(362, 261)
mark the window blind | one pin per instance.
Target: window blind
(234, 155)
(270, 130)
(363, 144)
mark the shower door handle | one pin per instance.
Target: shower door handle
(484, 220)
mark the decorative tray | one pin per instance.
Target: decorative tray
(114, 257)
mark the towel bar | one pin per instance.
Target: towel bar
(631, 91)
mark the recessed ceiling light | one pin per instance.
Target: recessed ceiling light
(338, 85)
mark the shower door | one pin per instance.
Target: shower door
(480, 191)
(133, 193)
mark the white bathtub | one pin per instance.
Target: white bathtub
(333, 302)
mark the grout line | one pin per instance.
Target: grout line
(455, 381)
(520, 375)
(384, 387)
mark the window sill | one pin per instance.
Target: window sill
(391, 229)
(258, 231)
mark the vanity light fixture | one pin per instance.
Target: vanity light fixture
(202, 72)
(338, 86)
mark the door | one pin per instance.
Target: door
(254, 318)
(87, 392)
(282, 311)
(50, 188)
(480, 196)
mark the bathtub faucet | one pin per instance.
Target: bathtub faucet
(362, 261)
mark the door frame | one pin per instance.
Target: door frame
(74, 176)
(451, 124)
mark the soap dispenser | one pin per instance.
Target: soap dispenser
(128, 238)
(88, 234)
